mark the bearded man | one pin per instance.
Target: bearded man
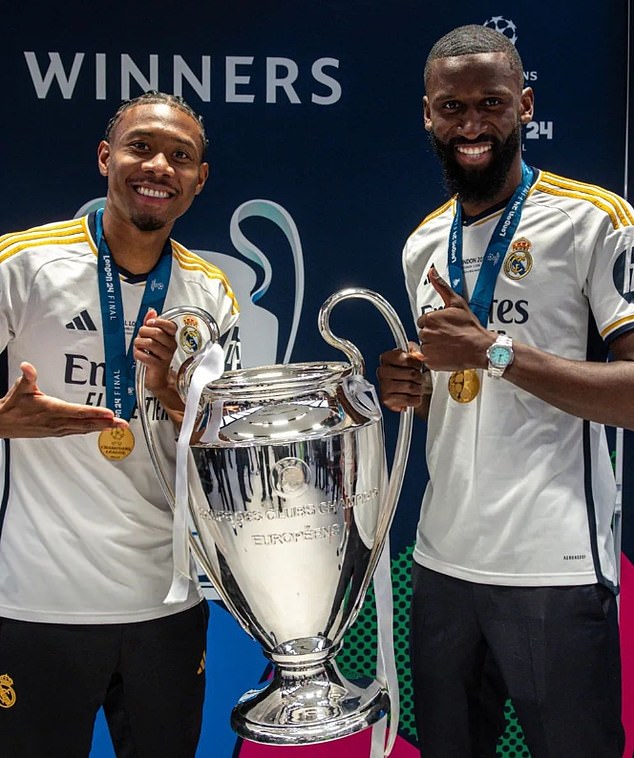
(520, 286)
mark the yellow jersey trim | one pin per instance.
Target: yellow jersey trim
(616, 325)
(192, 262)
(63, 233)
(616, 208)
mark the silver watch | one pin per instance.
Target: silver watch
(500, 355)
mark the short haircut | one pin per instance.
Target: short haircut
(152, 97)
(473, 39)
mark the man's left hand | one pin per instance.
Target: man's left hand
(452, 338)
(154, 346)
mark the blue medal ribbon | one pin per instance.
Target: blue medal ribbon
(480, 302)
(120, 365)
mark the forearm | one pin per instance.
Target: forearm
(601, 392)
(171, 403)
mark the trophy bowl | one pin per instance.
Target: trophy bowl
(291, 505)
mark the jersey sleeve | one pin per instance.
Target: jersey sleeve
(14, 288)
(228, 319)
(610, 279)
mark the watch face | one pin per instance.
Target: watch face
(499, 355)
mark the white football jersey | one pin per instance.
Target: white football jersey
(85, 539)
(521, 493)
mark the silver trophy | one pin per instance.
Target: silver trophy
(290, 505)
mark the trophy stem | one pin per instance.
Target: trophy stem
(307, 706)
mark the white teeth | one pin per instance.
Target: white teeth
(473, 149)
(152, 192)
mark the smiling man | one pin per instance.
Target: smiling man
(519, 284)
(85, 531)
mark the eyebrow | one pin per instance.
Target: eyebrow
(149, 133)
(492, 91)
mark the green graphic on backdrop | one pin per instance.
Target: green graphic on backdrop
(359, 657)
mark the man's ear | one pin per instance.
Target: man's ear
(426, 114)
(103, 157)
(203, 175)
(527, 105)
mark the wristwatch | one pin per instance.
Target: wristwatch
(500, 355)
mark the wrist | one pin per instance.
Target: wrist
(500, 356)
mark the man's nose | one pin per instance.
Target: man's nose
(472, 124)
(157, 163)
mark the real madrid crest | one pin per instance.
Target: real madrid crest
(189, 338)
(519, 261)
(7, 693)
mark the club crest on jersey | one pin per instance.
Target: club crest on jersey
(7, 693)
(189, 338)
(519, 261)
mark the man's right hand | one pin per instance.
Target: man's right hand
(402, 383)
(25, 411)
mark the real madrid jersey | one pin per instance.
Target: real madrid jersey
(85, 538)
(521, 493)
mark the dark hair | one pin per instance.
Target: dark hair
(150, 98)
(473, 39)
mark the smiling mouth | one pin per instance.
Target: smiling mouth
(473, 151)
(153, 193)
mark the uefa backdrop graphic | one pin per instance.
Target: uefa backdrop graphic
(320, 168)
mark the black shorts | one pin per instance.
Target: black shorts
(148, 676)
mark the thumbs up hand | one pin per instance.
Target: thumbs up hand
(452, 338)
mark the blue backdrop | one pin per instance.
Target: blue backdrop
(315, 111)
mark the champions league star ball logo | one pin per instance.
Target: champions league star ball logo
(117, 435)
(503, 25)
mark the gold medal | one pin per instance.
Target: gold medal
(464, 385)
(116, 444)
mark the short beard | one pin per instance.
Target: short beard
(477, 185)
(145, 223)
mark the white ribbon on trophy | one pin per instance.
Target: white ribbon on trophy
(210, 368)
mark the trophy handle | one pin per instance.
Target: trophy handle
(401, 449)
(207, 319)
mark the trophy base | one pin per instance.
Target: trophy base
(314, 705)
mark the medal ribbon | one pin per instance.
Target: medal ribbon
(120, 364)
(480, 302)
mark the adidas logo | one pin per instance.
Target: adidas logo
(82, 322)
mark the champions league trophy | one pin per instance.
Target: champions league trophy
(291, 507)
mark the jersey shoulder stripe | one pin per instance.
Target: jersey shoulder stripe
(59, 233)
(434, 214)
(616, 207)
(192, 262)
